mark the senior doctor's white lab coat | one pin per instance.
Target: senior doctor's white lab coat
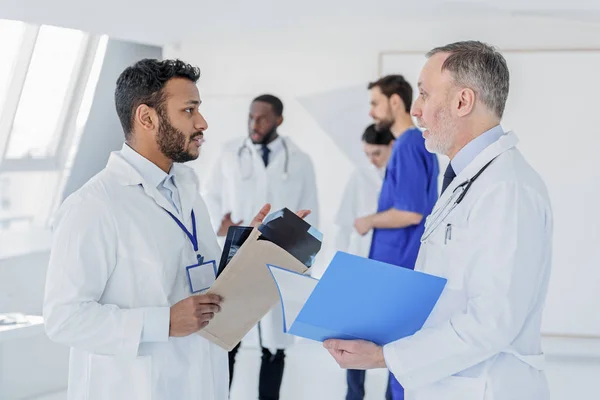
(359, 199)
(117, 265)
(240, 184)
(482, 340)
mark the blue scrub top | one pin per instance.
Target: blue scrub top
(410, 184)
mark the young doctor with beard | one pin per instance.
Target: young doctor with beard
(117, 287)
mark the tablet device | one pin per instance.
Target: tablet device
(236, 236)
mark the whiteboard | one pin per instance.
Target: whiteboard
(553, 108)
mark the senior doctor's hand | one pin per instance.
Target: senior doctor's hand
(356, 354)
(193, 314)
(264, 211)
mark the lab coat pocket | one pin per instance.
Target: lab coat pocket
(453, 388)
(455, 250)
(444, 254)
(113, 377)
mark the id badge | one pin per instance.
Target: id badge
(201, 276)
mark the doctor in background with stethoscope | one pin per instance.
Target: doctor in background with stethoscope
(489, 235)
(263, 167)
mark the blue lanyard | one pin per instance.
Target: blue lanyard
(193, 237)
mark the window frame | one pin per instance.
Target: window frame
(18, 75)
(65, 129)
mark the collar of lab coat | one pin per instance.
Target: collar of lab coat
(187, 183)
(149, 171)
(505, 143)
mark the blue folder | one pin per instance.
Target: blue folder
(357, 298)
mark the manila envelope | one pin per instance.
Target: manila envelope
(248, 290)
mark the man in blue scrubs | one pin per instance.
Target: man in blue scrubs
(409, 189)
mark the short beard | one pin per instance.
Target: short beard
(440, 145)
(268, 136)
(171, 141)
(385, 124)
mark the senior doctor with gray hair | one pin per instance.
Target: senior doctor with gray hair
(489, 235)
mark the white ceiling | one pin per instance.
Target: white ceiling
(162, 22)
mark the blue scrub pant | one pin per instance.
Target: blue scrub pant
(396, 388)
(356, 385)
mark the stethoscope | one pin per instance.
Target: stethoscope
(247, 172)
(457, 196)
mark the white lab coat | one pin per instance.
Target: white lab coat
(117, 265)
(240, 184)
(482, 340)
(359, 199)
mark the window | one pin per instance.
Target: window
(45, 95)
(48, 77)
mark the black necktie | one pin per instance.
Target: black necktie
(265, 154)
(449, 176)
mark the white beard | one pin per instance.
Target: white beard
(440, 144)
(441, 141)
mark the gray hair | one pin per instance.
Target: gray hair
(479, 67)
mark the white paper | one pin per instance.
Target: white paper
(294, 291)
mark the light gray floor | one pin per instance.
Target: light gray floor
(310, 373)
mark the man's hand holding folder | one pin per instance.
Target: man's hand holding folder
(356, 354)
(354, 328)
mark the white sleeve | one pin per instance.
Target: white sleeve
(509, 225)
(82, 259)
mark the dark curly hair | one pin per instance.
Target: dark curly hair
(143, 83)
